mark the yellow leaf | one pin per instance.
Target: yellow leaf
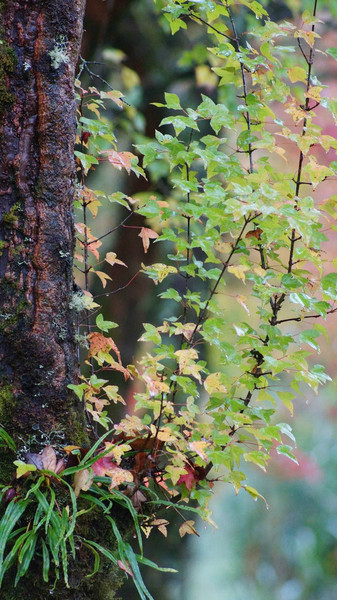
(119, 476)
(187, 527)
(175, 473)
(205, 77)
(165, 435)
(259, 271)
(187, 329)
(238, 271)
(115, 96)
(314, 92)
(117, 450)
(254, 494)
(185, 357)
(69, 449)
(223, 247)
(93, 107)
(199, 448)
(22, 468)
(103, 277)
(130, 425)
(308, 36)
(112, 260)
(158, 271)
(297, 74)
(93, 206)
(112, 393)
(213, 384)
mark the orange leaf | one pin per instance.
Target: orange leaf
(100, 343)
(119, 159)
(90, 240)
(147, 234)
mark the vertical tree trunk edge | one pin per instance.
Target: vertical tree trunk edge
(38, 358)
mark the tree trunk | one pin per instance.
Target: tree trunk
(38, 357)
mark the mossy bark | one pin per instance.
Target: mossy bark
(40, 42)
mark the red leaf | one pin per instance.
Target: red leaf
(85, 136)
(192, 477)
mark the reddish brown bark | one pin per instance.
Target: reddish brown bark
(37, 133)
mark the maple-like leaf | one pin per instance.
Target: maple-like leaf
(214, 385)
(192, 476)
(187, 527)
(161, 524)
(117, 451)
(104, 277)
(120, 160)
(239, 271)
(99, 343)
(89, 240)
(186, 329)
(131, 425)
(187, 366)
(147, 234)
(111, 258)
(106, 467)
(115, 96)
(199, 448)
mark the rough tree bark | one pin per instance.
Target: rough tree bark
(40, 42)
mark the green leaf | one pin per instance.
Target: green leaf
(7, 439)
(254, 494)
(86, 160)
(46, 561)
(149, 563)
(172, 101)
(22, 468)
(8, 521)
(286, 451)
(104, 325)
(332, 52)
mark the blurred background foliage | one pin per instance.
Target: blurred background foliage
(288, 552)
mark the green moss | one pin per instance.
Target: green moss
(3, 245)
(11, 318)
(6, 398)
(7, 63)
(11, 217)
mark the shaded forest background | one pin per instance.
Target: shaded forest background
(290, 551)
